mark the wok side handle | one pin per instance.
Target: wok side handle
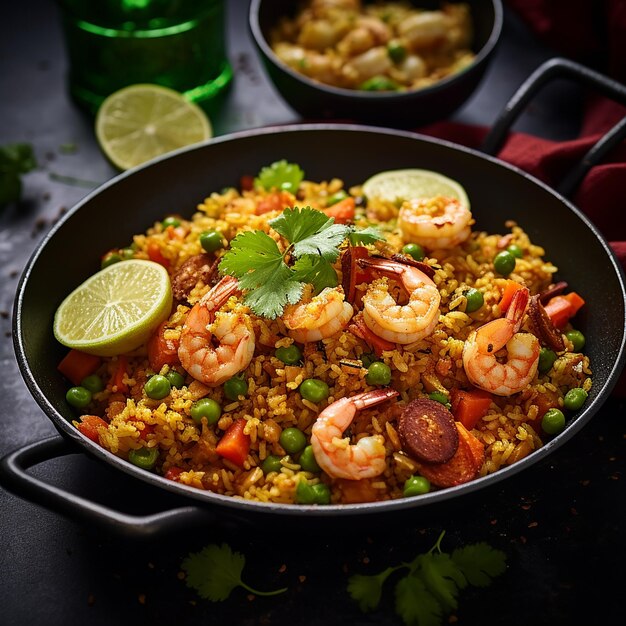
(14, 477)
(545, 73)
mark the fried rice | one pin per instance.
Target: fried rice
(509, 431)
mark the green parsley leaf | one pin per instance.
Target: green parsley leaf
(280, 175)
(367, 590)
(317, 271)
(15, 159)
(480, 563)
(216, 570)
(269, 299)
(442, 577)
(370, 234)
(415, 604)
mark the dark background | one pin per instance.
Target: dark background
(559, 523)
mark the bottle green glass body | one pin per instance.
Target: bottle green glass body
(175, 43)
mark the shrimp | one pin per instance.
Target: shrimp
(319, 317)
(479, 353)
(205, 326)
(425, 29)
(394, 322)
(435, 223)
(334, 454)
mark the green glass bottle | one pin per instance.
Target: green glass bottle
(175, 43)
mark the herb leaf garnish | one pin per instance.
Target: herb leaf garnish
(15, 159)
(280, 175)
(430, 587)
(216, 570)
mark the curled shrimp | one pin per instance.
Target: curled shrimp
(479, 353)
(319, 317)
(400, 323)
(435, 223)
(334, 453)
(205, 326)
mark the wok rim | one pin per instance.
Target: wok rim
(239, 505)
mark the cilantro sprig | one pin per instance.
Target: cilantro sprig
(430, 587)
(15, 159)
(216, 571)
(280, 175)
(272, 279)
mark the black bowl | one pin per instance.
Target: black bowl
(316, 100)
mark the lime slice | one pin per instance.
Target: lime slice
(141, 122)
(115, 310)
(397, 186)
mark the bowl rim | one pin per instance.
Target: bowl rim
(481, 56)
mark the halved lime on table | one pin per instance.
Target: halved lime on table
(398, 186)
(141, 122)
(115, 310)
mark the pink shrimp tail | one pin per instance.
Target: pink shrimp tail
(218, 295)
(517, 308)
(369, 398)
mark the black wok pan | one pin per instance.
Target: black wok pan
(128, 204)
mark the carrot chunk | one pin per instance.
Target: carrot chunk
(155, 254)
(117, 380)
(235, 444)
(89, 425)
(469, 406)
(561, 309)
(162, 351)
(507, 294)
(76, 365)
(343, 211)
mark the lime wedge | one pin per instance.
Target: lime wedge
(397, 186)
(141, 122)
(115, 310)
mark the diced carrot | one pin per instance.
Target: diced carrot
(155, 254)
(342, 211)
(462, 467)
(117, 380)
(234, 444)
(89, 425)
(359, 329)
(76, 365)
(561, 309)
(246, 183)
(162, 351)
(275, 201)
(469, 406)
(173, 473)
(507, 294)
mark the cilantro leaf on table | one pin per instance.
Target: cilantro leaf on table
(432, 582)
(367, 235)
(216, 570)
(15, 159)
(479, 563)
(280, 175)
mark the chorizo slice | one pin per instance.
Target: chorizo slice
(427, 431)
(200, 267)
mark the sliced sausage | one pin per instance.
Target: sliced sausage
(201, 267)
(428, 432)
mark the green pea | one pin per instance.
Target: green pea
(271, 464)
(553, 421)
(127, 253)
(78, 397)
(289, 355)
(474, 299)
(235, 387)
(378, 374)
(574, 399)
(292, 440)
(379, 83)
(577, 339)
(547, 358)
(396, 51)
(307, 460)
(336, 197)
(504, 263)
(92, 383)
(157, 387)
(439, 396)
(206, 407)
(211, 240)
(170, 221)
(515, 250)
(416, 486)
(314, 390)
(312, 494)
(109, 259)
(414, 250)
(145, 458)
(175, 379)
